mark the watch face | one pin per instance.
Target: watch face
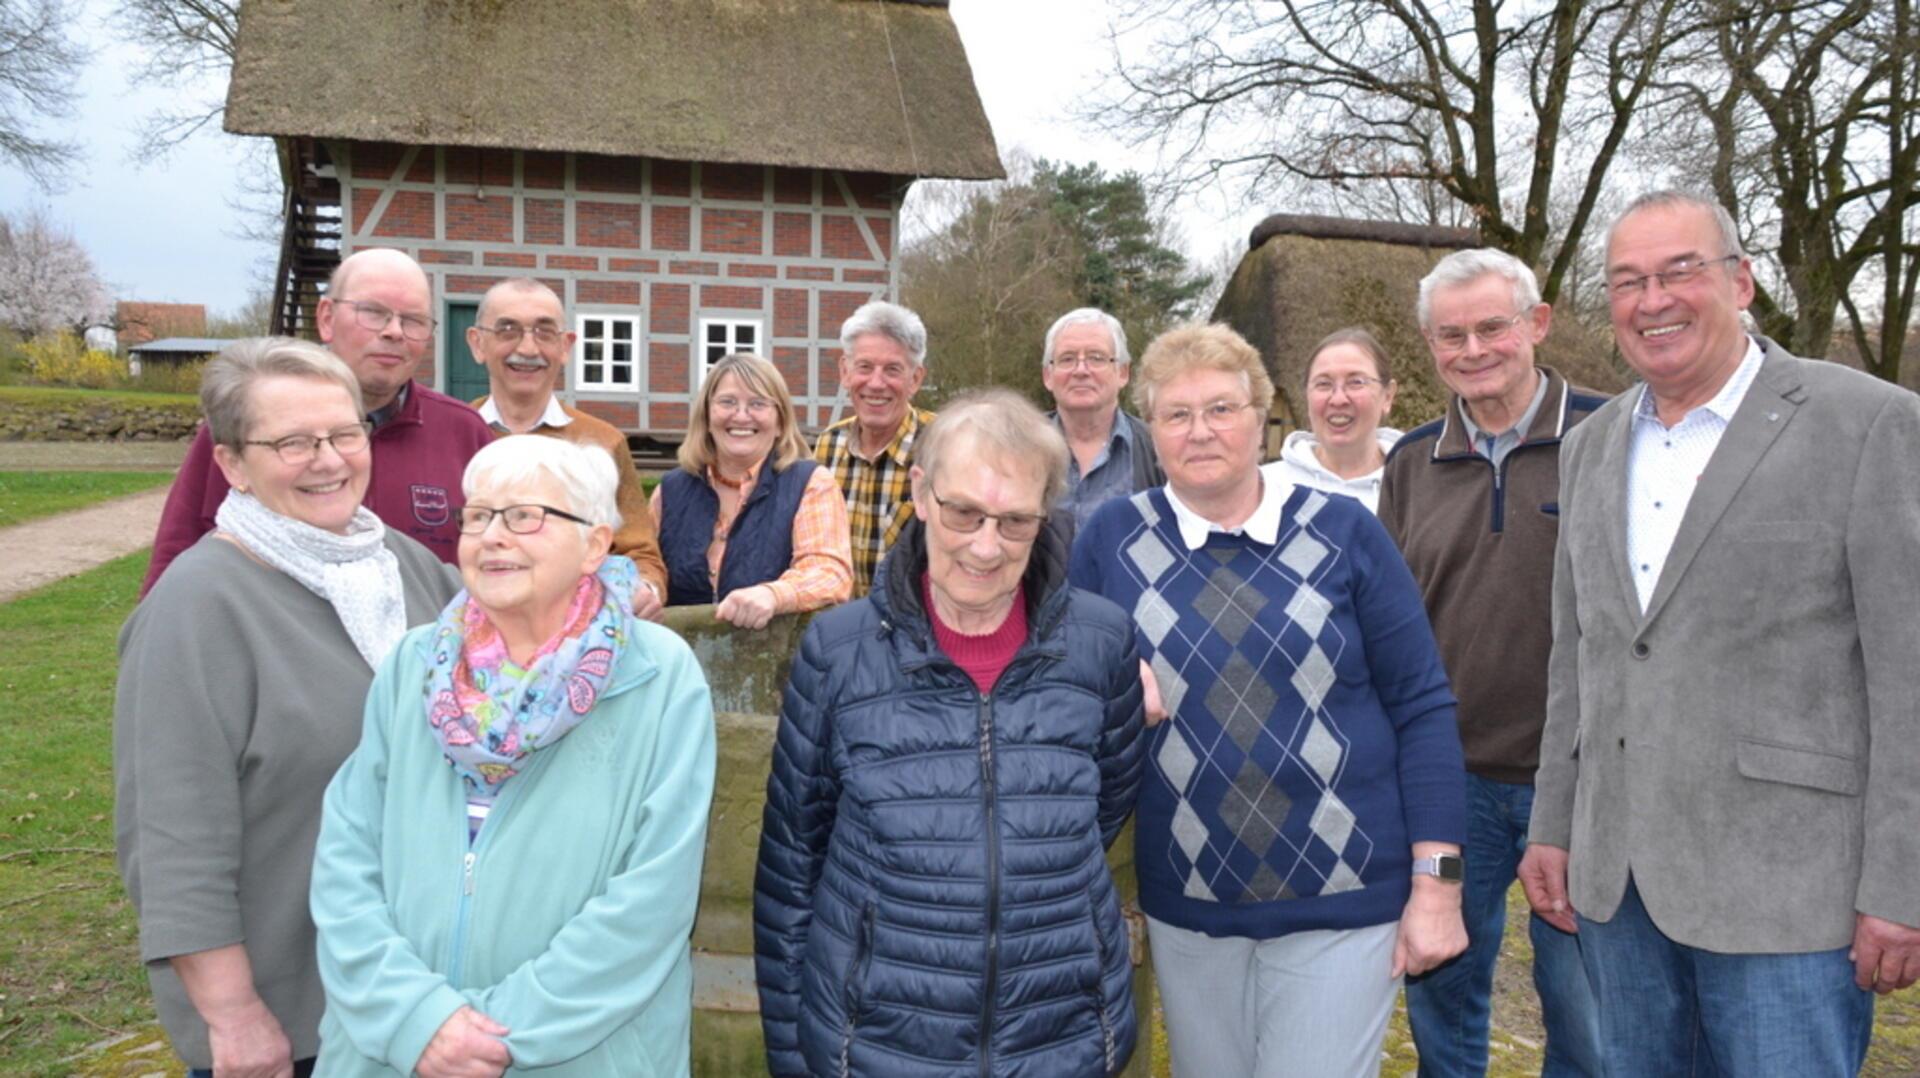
(1451, 867)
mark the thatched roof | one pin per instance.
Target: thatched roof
(867, 85)
(1308, 276)
(1348, 228)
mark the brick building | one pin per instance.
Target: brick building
(138, 322)
(693, 178)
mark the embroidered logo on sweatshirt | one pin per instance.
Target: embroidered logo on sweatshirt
(431, 506)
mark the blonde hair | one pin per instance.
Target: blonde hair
(758, 376)
(1199, 346)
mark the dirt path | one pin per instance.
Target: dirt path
(42, 551)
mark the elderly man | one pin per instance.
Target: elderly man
(883, 353)
(1084, 365)
(1728, 808)
(1470, 499)
(519, 335)
(377, 316)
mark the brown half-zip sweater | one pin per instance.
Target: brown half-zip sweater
(1480, 544)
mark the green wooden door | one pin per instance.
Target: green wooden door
(466, 380)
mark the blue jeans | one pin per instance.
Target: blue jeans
(1669, 1009)
(1449, 1008)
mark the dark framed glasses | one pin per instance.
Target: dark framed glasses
(298, 449)
(967, 519)
(519, 519)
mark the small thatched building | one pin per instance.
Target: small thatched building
(694, 177)
(1304, 277)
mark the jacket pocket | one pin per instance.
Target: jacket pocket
(856, 985)
(1795, 766)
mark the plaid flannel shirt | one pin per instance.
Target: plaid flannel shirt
(879, 494)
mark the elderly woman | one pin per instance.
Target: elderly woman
(1349, 391)
(508, 865)
(242, 677)
(955, 752)
(748, 520)
(1299, 831)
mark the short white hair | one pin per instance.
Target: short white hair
(1464, 267)
(890, 320)
(586, 472)
(1671, 198)
(1089, 316)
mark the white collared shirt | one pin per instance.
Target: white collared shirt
(1262, 527)
(555, 416)
(1664, 465)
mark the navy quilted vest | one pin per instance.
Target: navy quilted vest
(759, 548)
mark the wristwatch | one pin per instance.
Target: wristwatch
(1445, 866)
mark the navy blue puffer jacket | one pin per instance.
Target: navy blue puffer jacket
(932, 896)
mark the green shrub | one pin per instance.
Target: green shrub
(168, 377)
(63, 359)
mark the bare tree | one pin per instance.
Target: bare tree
(47, 280)
(1423, 110)
(188, 44)
(1807, 128)
(38, 65)
(987, 282)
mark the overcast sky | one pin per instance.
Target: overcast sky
(162, 230)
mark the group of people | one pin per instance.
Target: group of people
(409, 781)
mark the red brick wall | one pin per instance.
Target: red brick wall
(606, 224)
(486, 220)
(726, 239)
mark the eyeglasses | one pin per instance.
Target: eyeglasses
(1679, 273)
(1488, 330)
(1014, 527)
(1355, 385)
(729, 405)
(300, 449)
(520, 519)
(374, 316)
(1220, 415)
(509, 332)
(1093, 361)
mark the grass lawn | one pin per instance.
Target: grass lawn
(69, 972)
(64, 395)
(26, 496)
(69, 969)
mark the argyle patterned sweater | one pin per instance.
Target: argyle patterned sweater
(1312, 737)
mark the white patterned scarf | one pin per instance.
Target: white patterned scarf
(355, 572)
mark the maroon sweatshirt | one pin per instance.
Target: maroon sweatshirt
(418, 458)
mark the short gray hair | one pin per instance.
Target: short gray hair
(1672, 198)
(1089, 316)
(226, 383)
(586, 472)
(1463, 267)
(520, 285)
(1000, 423)
(890, 320)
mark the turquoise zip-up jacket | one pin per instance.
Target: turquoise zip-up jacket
(567, 921)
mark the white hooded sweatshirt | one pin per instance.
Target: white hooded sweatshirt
(1298, 466)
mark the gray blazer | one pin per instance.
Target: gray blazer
(1750, 747)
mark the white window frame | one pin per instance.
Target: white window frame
(584, 376)
(733, 325)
